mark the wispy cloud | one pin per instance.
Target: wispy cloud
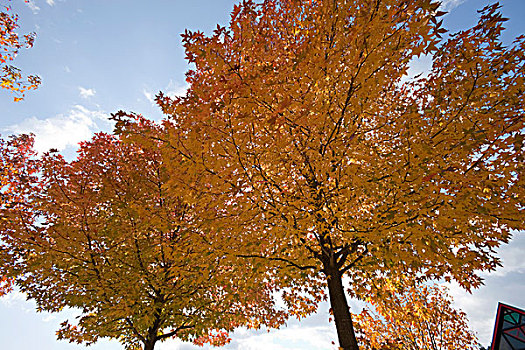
(50, 2)
(506, 284)
(150, 96)
(49, 317)
(174, 89)
(63, 130)
(419, 65)
(293, 337)
(313, 333)
(13, 297)
(86, 93)
(447, 5)
(512, 256)
(171, 90)
(296, 337)
(34, 7)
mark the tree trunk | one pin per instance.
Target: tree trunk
(150, 343)
(342, 316)
(152, 335)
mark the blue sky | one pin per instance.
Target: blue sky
(98, 56)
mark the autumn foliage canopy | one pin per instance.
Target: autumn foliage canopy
(100, 235)
(301, 159)
(301, 125)
(404, 315)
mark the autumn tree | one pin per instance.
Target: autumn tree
(302, 129)
(15, 162)
(99, 234)
(412, 316)
(10, 44)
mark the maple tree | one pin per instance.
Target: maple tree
(317, 153)
(99, 234)
(14, 162)
(10, 44)
(412, 316)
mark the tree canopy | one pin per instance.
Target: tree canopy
(412, 316)
(301, 126)
(99, 234)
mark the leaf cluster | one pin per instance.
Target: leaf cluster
(10, 44)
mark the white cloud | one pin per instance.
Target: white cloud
(86, 93)
(50, 2)
(49, 317)
(63, 130)
(511, 257)
(16, 300)
(296, 336)
(313, 333)
(506, 284)
(12, 298)
(172, 90)
(419, 65)
(31, 4)
(447, 5)
(150, 96)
